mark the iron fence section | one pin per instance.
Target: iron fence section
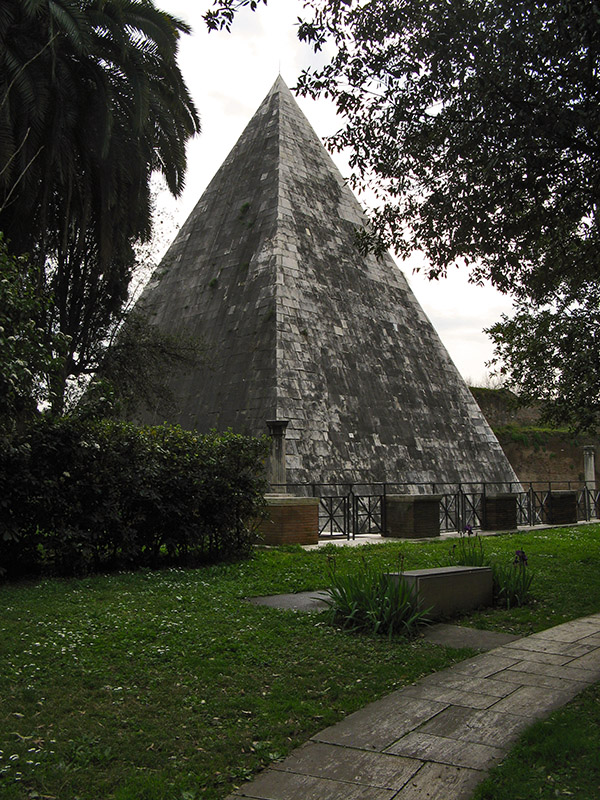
(356, 509)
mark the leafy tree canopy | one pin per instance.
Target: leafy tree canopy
(476, 124)
(27, 359)
(92, 102)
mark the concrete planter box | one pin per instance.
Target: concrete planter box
(560, 508)
(450, 590)
(290, 520)
(500, 512)
(412, 516)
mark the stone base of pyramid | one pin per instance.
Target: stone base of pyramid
(290, 520)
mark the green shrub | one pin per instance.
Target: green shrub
(369, 601)
(81, 495)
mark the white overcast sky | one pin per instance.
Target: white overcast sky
(228, 76)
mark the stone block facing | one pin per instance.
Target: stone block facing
(301, 326)
(560, 508)
(291, 520)
(412, 516)
(449, 590)
(500, 512)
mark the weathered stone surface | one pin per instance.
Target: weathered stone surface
(445, 694)
(381, 723)
(484, 666)
(538, 644)
(560, 508)
(534, 701)
(481, 727)
(590, 661)
(572, 631)
(299, 326)
(535, 655)
(551, 670)
(277, 785)
(443, 750)
(515, 677)
(353, 766)
(487, 686)
(448, 590)
(298, 601)
(441, 782)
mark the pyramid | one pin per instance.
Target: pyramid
(298, 325)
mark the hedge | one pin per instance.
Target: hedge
(80, 496)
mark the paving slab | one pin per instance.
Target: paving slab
(436, 739)
(442, 750)
(479, 727)
(487, 686)
(583, 675)
(330, 761)
(539, 645)
(446, 694)
(459, 636)
(523, 654)
(532, 702)
(274, 785)
(486, 665)
(440, 782)
(515, 677)
(379, 724)
(296, 601)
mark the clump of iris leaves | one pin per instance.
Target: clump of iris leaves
(367, 600)
(512, 581)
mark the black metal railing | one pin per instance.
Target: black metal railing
(348, 510)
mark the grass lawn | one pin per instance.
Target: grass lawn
(168, 686)
(556, 757)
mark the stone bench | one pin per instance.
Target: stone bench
(450, 590)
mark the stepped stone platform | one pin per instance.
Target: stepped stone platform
(437, 739)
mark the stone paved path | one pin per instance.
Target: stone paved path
(435, 740)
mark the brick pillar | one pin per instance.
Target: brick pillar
(499, 512)
(412, 516)
(561, 508)
(290, 520)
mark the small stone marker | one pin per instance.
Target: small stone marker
(450, 590)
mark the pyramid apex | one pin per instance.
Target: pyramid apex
(279, 85)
